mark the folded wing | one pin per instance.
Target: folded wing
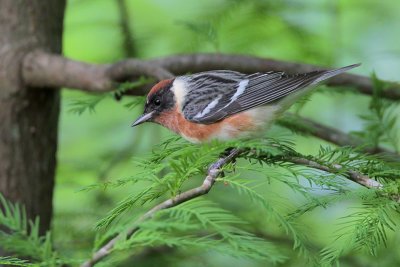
(218, 94)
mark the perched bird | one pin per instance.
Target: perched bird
(224, 104)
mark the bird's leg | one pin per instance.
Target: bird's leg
(226, 153)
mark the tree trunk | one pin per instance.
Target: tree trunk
(29, 118)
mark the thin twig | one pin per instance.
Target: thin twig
(213, 172)
(124, 21)
(307, 126)
(354, 176)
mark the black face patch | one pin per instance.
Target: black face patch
(160, 101)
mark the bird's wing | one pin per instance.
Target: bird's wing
(216, 95)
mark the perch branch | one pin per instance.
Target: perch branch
(41, 69)
(213, 172)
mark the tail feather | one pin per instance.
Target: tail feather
(330, 73)
(287, 101)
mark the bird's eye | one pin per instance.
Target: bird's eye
(157, 102)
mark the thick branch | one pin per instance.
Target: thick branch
(213, 172)
(41, 69)
(46, 70)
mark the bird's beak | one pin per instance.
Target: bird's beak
(143, 118)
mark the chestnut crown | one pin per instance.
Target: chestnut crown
(159, 99)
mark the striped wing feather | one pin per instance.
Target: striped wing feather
(218, 94)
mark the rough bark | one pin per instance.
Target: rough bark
(29, 118)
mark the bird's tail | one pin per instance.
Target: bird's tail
(330, 73)
(320, 76)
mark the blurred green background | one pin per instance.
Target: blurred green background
(99, 146)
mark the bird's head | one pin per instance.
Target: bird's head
(160, 99)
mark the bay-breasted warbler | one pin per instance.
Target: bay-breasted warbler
(224, 104)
